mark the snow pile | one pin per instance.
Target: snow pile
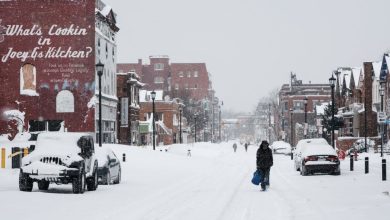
(15, 115)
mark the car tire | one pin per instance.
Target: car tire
(25, 182)
(108, 177)
(78, 184)
(43, 185)
(118, 178)
(303, 171)
(92, 182)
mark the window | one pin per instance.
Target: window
(181, 74)
(195, 86)
(189, 74)
(298, 106)
(195, 73)
(158, 79)
(177, 86)
(186, 86)
(158, 66)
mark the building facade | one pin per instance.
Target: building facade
(128, 86)
(106, 53)
(55, 79)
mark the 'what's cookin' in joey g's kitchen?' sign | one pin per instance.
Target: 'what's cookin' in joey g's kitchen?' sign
(44, 48)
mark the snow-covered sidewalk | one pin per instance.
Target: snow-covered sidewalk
(214, 183)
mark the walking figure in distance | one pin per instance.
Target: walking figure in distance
(246, 147)
(234, 147)
(264, 162)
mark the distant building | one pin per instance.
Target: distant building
(292, 97)
(128, 85)
(167, 118)
(174, 79)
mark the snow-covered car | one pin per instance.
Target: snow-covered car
(297, 152)
(61, 158)
(281, 147)
(109, 170)
(318, 158)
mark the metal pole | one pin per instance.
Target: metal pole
(384, 169)
(180, 137)
(269, 123)
(305, 131)
(220, 139)
(333, 109)
(382, 127)
(154, 126)
(100, 109)
(195, 129)
(365, 124)
(291, 135)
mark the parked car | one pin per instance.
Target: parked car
(109, 170)
(318, 158)
(297, 152)
(61, 158)
(281, 147)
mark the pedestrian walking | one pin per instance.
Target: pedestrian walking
(264, 162)
(234, 147)
(246, 147)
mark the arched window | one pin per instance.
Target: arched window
(65, 101)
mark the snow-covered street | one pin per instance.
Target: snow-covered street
(214, 183)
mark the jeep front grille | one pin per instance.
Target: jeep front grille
(52, 160)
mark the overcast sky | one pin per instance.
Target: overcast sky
(250, 46)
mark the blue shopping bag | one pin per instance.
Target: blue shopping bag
(256, 177)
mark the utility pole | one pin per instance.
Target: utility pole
(269, 122)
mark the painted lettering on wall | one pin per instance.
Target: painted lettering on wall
(44, 48)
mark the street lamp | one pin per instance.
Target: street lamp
(382, 93)
(180, 132)
(305, 128)
(220, 118)
(291, 132)
(196, 116)
(332, 82)
(99, 70)
(153, 93)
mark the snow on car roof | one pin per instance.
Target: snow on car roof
(59, 142)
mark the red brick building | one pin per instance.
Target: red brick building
(128, 86)
(47, 64)
(172, 78)
(167, 118)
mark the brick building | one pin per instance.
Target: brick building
(128, 86)
(54, 83)
(172, 78)
(167, 118)
(292, 96)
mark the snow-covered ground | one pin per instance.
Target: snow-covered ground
(214, 183)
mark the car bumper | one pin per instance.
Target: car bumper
(50, 172)
(322, 168)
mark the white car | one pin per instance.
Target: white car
(317, 157)
(297, 152)
(61, 158)
(281, 147)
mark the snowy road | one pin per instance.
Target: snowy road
(212, 184)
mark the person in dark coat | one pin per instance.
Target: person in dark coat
(246, 146)
(264, 162)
